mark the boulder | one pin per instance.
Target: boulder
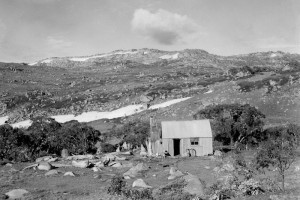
(218, 153)
(140, 183)
(16, 194)
(69, 174)
(120, 158)
(96, 169)
(64, 153)
(81, 157)
(44, 166)
(134, 171)
(115, 164)
(174, 172)
(118, 150)
(51, 172)
(44, 158)
(143, 151)
(228, 167)
(81, 164)
(111, 157)
(194, 185)
(145, 99)
(99, 164)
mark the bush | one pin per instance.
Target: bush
(173, 191)
(46, 136)
(116, 186)
(13, 143)
(107, 148)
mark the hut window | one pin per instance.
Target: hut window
(194, 141)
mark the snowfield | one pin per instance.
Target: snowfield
(95, 115)
(174, 56)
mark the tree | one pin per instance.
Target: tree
(279, 150)
(234, 123)
(134, 132)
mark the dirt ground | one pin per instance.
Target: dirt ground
(88, 184)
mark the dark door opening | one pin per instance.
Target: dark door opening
(176, 147)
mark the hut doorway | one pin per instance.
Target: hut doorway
(176, 147)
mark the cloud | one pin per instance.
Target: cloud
(165, 27)
(57, 42)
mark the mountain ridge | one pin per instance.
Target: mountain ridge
(106, 82)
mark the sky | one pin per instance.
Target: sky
(31, 30)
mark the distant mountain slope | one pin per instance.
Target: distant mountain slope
(105, 82)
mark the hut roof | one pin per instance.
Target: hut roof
(186, 129)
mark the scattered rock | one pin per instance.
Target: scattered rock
(51, 172)
(140, 183)
(44, 166)
(16, 193)
(194, 185)
(80, 164)
(69, 174)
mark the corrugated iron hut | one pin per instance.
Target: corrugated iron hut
(179, 137)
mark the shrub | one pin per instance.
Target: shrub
(116, 186)
(107, 148)
(13, 143)
(137, 194)
(173, 191)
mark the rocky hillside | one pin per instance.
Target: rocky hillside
(105, 82)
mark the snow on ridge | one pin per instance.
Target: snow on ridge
(273, 55)
(82, 59)
(95, 115)
(174, 56)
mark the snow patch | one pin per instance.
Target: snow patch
(22, 124)
(174, 56)
(82, 59)
(31, 64)
(3, 120)
(209, 91)
(95, 115)
(168, 103)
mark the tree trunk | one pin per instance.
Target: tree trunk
(282, 179)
